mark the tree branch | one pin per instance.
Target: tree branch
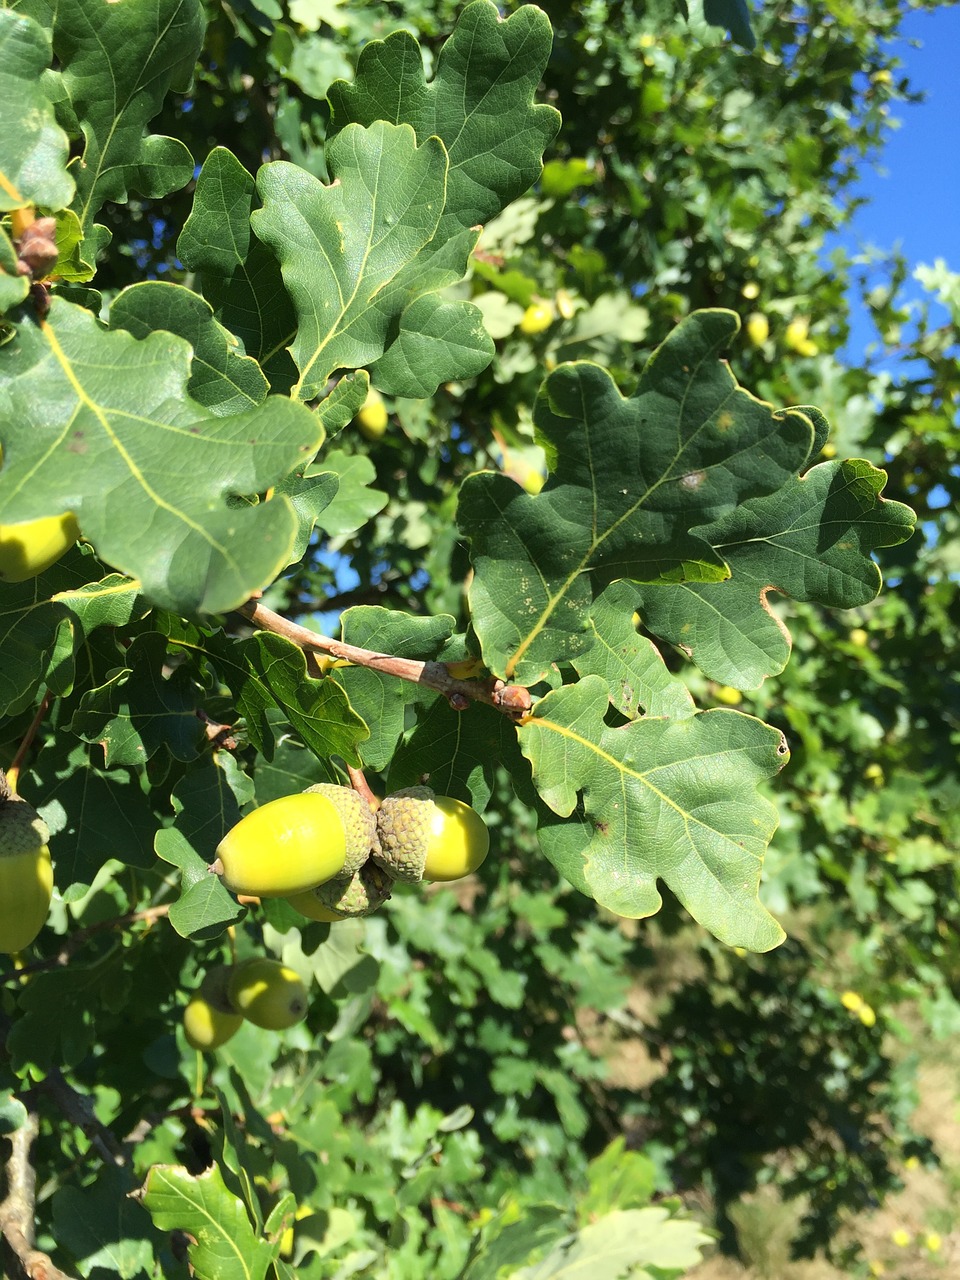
(512, 700)
(17, 1209)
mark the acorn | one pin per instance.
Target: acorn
(361, 894)
(290, 845)
(359, 824)
(424, 836)
(268, 994)
(26, 873)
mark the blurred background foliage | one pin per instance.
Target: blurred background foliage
(473, 1051)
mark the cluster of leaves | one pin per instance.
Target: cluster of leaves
(190, 422)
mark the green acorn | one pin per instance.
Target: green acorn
(359, 824)
(365, 891)
(424, 836)
(26, 873)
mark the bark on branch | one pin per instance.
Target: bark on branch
(17, 1209)
(512, 700)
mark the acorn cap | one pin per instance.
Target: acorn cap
(365, 891)
(424, 836)
(359, 824)
(403, 828)
(215, 987)
(22, 830)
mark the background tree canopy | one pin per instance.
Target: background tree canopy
(486, 340)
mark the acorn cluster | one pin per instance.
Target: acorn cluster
(262, 991)
(333, 858)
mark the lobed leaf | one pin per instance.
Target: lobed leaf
(33, 147)
(118, 62)
(624, 1243)
(480, 104)
(352, 260)
(222, 379)
(675, 800)
(225, 1246)
(101, 424)
(382, 700)
(267, 670)
(94, 812)
(207, 806)
(239, 276)
(632, 480)
(810, 540)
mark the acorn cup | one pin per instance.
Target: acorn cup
(424, 836)
(359, 824)
(26, 873)
(344, 899)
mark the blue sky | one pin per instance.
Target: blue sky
(914, 189)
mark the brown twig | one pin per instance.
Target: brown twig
(17, 1209)
(362, 787)
(512, 700)
(26, 742)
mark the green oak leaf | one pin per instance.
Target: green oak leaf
(810, 540)
(267, 670)
(344, 401)
(143, 708)
(631, 665)
(225, 1245)
(480, 104)
(117, 64)
(630, 482)
(106, 424)
(624, 1243)
(310, 493)
(382, 699)
(222, 379)
(57, 1022)
(239, 276)
(459, 751)
(352, 260)
(37, 639)
(207, 806)
(33, 147)
(355, 502)
(93, 812)
(113, 601)
(104, 1229)
(674, 800)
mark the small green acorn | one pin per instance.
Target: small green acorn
(424, 836)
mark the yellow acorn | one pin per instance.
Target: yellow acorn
(424, 836)
(26, 873)
(268, 994)
(797, 337)
(32, 546)
(537, 317)
(207, 1028)
(287, 846)
(758, 328)
(372, 418)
